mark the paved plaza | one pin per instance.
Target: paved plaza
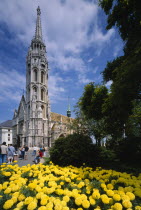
(29, 159)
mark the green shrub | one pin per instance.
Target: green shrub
(130, 150)
(74, 150)
(106, 154)
(101, 156)
(77, 149)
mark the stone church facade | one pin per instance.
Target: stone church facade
(33, 122)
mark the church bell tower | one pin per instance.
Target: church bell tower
(37, 100)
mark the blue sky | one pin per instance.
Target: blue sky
(78, 48)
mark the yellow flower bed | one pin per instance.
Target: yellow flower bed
(40, 187)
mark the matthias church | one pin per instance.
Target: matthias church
(34, 123)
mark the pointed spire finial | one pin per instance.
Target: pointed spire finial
(38, 31)
(38, 11)
(69, 110)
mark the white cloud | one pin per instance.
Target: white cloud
(90, 60)
(100, 37)
(70, 25)
(12, 84)
(82, 79)
(98, 79)
(18, 16)
(67, 63)
(95, 70)
(66, 28)
(108, 84)
(118, 47)
(100, 40)
(10, 79)
(56, 88)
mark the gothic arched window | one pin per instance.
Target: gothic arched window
(43, 65)
(35, 75)
(42, 94)
(43, 127)
(28, 96)
(42, 77)
(29, 111)
(43, 111)
(35, 91)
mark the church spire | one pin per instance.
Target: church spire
(38, 31)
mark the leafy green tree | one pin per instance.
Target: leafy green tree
(124, 71)
(126, 88)
(93, 128)
(97, 129)
(89, 111)
(80, 124)
(110, 71)
(133, 126)
(92, 101)
(126, 16)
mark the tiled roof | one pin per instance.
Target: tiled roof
(7, 123)
(60, 118)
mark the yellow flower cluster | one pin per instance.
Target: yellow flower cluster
(62, 188)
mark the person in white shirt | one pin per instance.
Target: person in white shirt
(34, 150)
(3, 153)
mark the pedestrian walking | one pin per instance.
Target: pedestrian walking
(41, 152)
(20, 153)
(3, 153)
(34, 151)
(44, 152)
(11, 153)
(26, 152)
(37, 158)
(23, 152)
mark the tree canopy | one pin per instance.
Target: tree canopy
(124, 71)
(126, 16)
(92, 100)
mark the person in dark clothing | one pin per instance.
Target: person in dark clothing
(37, 158)
(22, 152)
(26, 152)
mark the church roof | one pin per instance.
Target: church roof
(7, 123)
(60, 118)
(22, 102)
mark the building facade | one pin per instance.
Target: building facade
(33, 122)
(6, 132)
